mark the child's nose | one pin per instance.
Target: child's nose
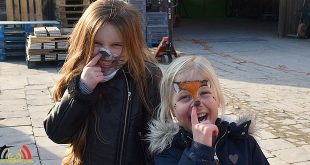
(104, 54)
(197, 103)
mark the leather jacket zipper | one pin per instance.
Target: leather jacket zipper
(126, 122)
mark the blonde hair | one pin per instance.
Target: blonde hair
(179, 68)
(126, 19)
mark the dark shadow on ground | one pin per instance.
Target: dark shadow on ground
(41, 150)
(38, 65)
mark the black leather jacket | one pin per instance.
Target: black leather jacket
(117, 119)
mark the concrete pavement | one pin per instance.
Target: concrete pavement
(258, 71)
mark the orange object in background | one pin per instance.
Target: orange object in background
(162, 51)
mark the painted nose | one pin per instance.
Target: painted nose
(104, 54)
(197, 103)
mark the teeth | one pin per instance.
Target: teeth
(201, 115)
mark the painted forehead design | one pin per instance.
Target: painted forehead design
(191, 86)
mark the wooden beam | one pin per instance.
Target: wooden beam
(24, 10)
(31, 10)
(39, 10)
(16, 10)
(9, 10)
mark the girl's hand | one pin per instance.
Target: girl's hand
(92, 74)
(203, 132)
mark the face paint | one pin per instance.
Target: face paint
(115, 63)
(106, 54)
(196, 94)
(191, 86)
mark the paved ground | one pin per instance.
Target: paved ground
(258, 71)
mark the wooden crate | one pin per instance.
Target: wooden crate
(24, 10)
(13, 36)
(70, 11)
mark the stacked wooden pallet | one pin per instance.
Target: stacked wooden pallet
(12, 32)
(24, 10)
(2, 10)
(12, 42)
(50, 47)
(70, 11)
(13, 36)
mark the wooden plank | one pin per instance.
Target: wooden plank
(24, 10)
(16, 10)
(38, 9)
(34, 39)
(73, 5)
(9, 10)
(66, 25)
(31, 10)
(73, 19)
(71, 12)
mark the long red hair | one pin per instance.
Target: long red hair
(126, 19)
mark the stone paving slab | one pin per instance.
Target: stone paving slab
(16, 131)
(50, 162)
(17, 140)
(58, 152)
(11, 122)
(293, 155)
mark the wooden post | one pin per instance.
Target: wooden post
(16, 11)
(31, 10)
(38, 10)
(24, 10)
(9, 10)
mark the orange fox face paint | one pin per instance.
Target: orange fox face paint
(191, 86)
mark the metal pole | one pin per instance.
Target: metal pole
(170, 25)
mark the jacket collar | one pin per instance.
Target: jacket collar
(162, 134)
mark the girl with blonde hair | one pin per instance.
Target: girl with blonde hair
(108, 89)
(188, 130)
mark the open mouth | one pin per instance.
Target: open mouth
(202, 117)
(107, 64)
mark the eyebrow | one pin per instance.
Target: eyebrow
(118, 42)
(114, 42)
